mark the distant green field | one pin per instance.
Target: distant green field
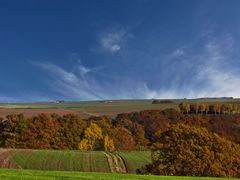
(94, 161)
(63, 175)
(73, 104)
(91, 105)
(137, 159)
(111, 107)
(95, 107)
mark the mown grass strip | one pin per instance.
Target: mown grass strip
(62, 175)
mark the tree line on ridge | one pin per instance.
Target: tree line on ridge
(204, 108)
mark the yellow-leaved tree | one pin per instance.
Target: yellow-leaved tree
(84, 145)
(108, 144)
(92, 137)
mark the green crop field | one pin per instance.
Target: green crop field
(84, 161)
(94, 161)
(6, 174)
(135, 159)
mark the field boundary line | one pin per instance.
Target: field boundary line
(123, 162)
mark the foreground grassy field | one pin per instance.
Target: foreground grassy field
(6, 174)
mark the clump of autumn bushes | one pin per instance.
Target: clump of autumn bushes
(184, 150)
(182, 144)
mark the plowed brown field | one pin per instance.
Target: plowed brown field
(31, 112)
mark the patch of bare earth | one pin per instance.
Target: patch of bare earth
(5, 160)
(32, 112)
(23, 151)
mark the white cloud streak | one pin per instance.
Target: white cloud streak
(206, 73)
(113, 41)
(68, 83)
(210, 73)
(85, 87)
(178, 53)
(24, 97)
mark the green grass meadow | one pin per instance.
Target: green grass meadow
(6, 174)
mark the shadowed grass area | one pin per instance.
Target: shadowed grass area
(135, 159)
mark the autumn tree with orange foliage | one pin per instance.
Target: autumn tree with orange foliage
(12, 130)
(123, 139)
(41, 132)
(190, 151)
(137, 130)
(70, 131)
(184, 107)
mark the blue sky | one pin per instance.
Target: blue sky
(91, 49)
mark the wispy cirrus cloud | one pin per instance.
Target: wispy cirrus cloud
(222, 78)
(83, 70)
(86, 87)
(178, 52)
(112, 41)
(24, 97)
(5, 99)
(68, 83)
(190, 72)
(209, 72)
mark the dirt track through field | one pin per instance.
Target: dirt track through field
(116, 163)
(5, 160)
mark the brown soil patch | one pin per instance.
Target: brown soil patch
(23, 152)
(5, 160)
(32, 112)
